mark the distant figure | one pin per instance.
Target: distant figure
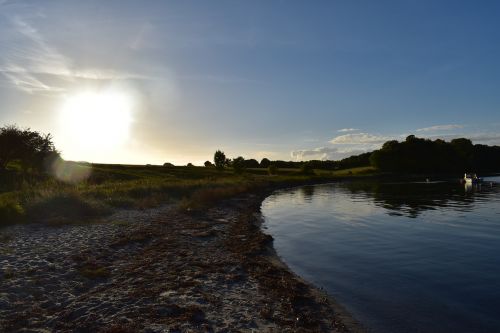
(427, 180)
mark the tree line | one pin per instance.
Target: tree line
(419, 155)
(221, 161)
(35, 152)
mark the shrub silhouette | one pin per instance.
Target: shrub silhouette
(265, 163)
(251, 163)
(208, 164)
(238, 164)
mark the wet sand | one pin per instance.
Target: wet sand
(158, 270)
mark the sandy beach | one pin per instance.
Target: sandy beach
(158, 270)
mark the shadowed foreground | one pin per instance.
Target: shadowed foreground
(157, 270)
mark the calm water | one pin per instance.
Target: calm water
(401, 257)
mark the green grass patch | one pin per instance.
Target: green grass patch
(110, 187)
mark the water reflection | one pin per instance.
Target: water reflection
(431, 266)
(413, 198)
(307, 192)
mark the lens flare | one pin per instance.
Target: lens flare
(70, 172)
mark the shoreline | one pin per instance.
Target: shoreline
(160, 270)
(343, 320)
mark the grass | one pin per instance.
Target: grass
(109, 187)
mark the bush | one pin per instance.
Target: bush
(265, 163)
(239, 164)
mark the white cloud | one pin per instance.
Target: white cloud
(357, 143)
(360, 139)
(344, 146)
(348, 130)
(440, 128)
(32, 65)
(325, 153)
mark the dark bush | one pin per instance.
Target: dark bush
(238, 164)
(264, 163)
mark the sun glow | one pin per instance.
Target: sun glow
(96, 120)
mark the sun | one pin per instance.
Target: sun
(96, 120)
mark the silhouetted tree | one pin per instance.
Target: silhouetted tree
(418, 155)
(208, 164)
(220, 160)
(264, 163)
(251, 163)
(33, 150)
(190, 165)
(238, 164)
(351, 162)
(168, 165)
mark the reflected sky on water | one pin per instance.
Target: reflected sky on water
(401, 256)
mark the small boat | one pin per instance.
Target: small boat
(471, 178)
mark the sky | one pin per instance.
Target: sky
(172, 81)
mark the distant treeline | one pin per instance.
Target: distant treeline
(413, 155)
(350, 162)
(418, 155)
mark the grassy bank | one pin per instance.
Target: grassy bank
(84, 192)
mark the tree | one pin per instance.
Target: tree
(33, 150)
(264, 163)
(251, 163)
(208, 164)
(169, 165)
(220, 160)
(238, 164)
(190, 165)
(419, 156)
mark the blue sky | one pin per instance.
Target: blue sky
(279, 79)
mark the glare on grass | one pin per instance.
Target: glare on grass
(96, 120)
